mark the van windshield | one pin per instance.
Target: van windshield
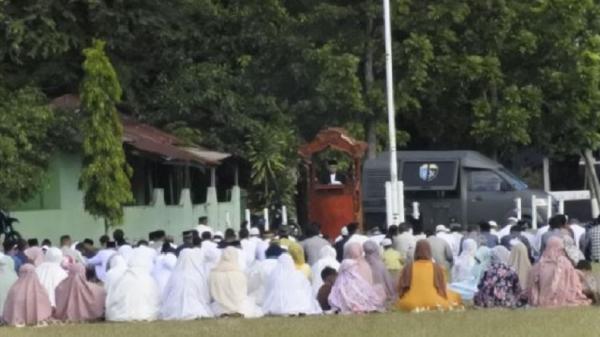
(514, 180)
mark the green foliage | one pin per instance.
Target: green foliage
(105, 175)
(492, 75)
(270, 151)
(25, 122)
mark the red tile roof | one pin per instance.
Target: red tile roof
(149, 139)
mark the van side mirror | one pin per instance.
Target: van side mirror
(505, 187)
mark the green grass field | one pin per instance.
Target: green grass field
(578, 322)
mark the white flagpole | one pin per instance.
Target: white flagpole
(391, 112)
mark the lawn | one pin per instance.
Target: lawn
(579, 322)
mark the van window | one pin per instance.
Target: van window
(514, 180)
(438, 175)
(484, 181)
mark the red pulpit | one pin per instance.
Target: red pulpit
(334, 206)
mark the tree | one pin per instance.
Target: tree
(105, 175)
(25, 122)
(567, 70)
(271, 153)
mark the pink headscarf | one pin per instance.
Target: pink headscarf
(354, 251)
(381, 276)
(35, 255)
(27, 302)
(553, 282)
(351, 293)
(77, 299)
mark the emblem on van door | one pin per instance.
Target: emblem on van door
(428, 172)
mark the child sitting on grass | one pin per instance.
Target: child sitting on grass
(328, 275)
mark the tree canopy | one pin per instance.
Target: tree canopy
(490, 75)
(105, 175)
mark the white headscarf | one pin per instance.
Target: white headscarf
(163, 269)
(461, 271)
(500, 254)
(50, 272)
(211, 257)
(229, 287)
(258, 276)
(288, 291)
(186, 295)
(125, 251)
(135, 296)
(327, 258)
(117, 267)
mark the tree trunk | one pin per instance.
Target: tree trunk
(369, 80)
(371, 139)
(590, 167)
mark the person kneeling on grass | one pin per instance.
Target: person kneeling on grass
(135, 295)
(288, 291)
(553, 281)
(328, 275)
(352, 293)
(27, 301)
(186, 294)
(422, 284)
(229, 288)
(499, 286)
(78, 300)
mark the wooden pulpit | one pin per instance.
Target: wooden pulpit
(334, 206)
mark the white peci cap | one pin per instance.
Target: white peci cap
(441, 228)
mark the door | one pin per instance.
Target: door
(489, 196)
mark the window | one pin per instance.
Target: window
(484, 181)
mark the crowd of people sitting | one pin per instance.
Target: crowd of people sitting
(249, 274)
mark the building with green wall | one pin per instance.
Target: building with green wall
(173, 187)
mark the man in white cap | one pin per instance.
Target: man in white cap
(443, 233)
(486, 238)
(343, 234)
(249, 247)
(261, 245)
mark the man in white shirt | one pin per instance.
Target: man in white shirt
(332, 177)
(248, 246)
(578, 230)
(457, 236)
(443, 233)
(405, 242)
(504, 231)
(100, 260)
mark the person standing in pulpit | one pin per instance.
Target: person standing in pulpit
(332, 177)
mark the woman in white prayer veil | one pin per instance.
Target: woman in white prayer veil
(51, 273)
(229, 288)
(461, 271)
(163, 269)
(135, 296)
(258, 275)
(125, 251)
(211, 258)
(327, 258)
(288, 291)
(186, 295)
(116, 268)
